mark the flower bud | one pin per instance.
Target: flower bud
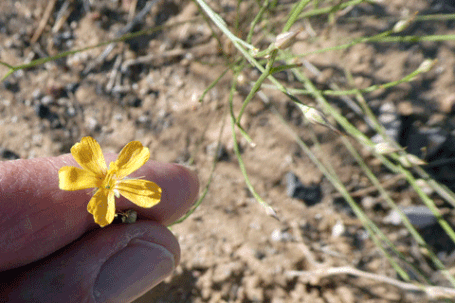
(316, 117)
(426, 65)
(403, 24)
(385, 148)
(284, 40)
(410, 160)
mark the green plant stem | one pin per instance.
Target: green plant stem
(332, 177)
(258, 84)
(294, 14)
(396, 168)
(268, 208)
(212, 85)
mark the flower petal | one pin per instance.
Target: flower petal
(74, 178)
(141, 192)
(88, 155)
(102, 207)
(132, 156)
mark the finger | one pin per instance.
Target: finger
(115, 264)
(37, 218)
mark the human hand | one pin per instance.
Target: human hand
(52, 251)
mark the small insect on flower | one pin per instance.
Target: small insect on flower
(109, 182)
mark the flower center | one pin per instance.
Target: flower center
(110, 180)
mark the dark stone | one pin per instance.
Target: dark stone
(311, 194)
(42, 111)
(8, 154)
(135, 102)
(425, 143)
(438, 240)
(441, 159)
(11, 86)
(222, 153)
(63, 40)
(72, 87)
(418, 216)
(423, 219)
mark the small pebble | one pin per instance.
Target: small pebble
(279, 235)
(419, 216)
(42, 111)
(389, 118)
(447, 104)
(311, 194)
(221, 154)
(338, 229)
(8, 154)
(47, 100)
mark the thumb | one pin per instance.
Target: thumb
(114, 264)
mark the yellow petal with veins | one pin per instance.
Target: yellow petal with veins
(73, 178)
(88, 155)
(132, 156)
(102, 207)
(141, 192)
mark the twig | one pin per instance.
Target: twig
(364, 191)
(132, 10)
(432, 292)
(42, 24)
(304, 248)
(62, 15)
(197, 51)
(152, 57)
(113, 74)
(128, 28)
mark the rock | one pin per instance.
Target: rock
(279, 235)
(389, 118)
(42, 111)
(428, 140)
(437, 238)
(92, 124)
(440, 159)
(221, 154)
(405, 108)
(419, 216)
(47, 100)
(368, 202)
(447, 104)
(37, 94)
(71, 87)
(338, 229)
(295, 189)
(12, 86)
(8, 154)
(136, 102)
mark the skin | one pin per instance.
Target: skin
(47, 237)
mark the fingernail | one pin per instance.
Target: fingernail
(132, 271)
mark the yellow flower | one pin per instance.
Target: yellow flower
(109, 182)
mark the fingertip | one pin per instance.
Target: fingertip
(180, 186)
(190, 174)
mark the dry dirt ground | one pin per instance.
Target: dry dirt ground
(147, 89)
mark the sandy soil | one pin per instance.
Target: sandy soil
(148, 89)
